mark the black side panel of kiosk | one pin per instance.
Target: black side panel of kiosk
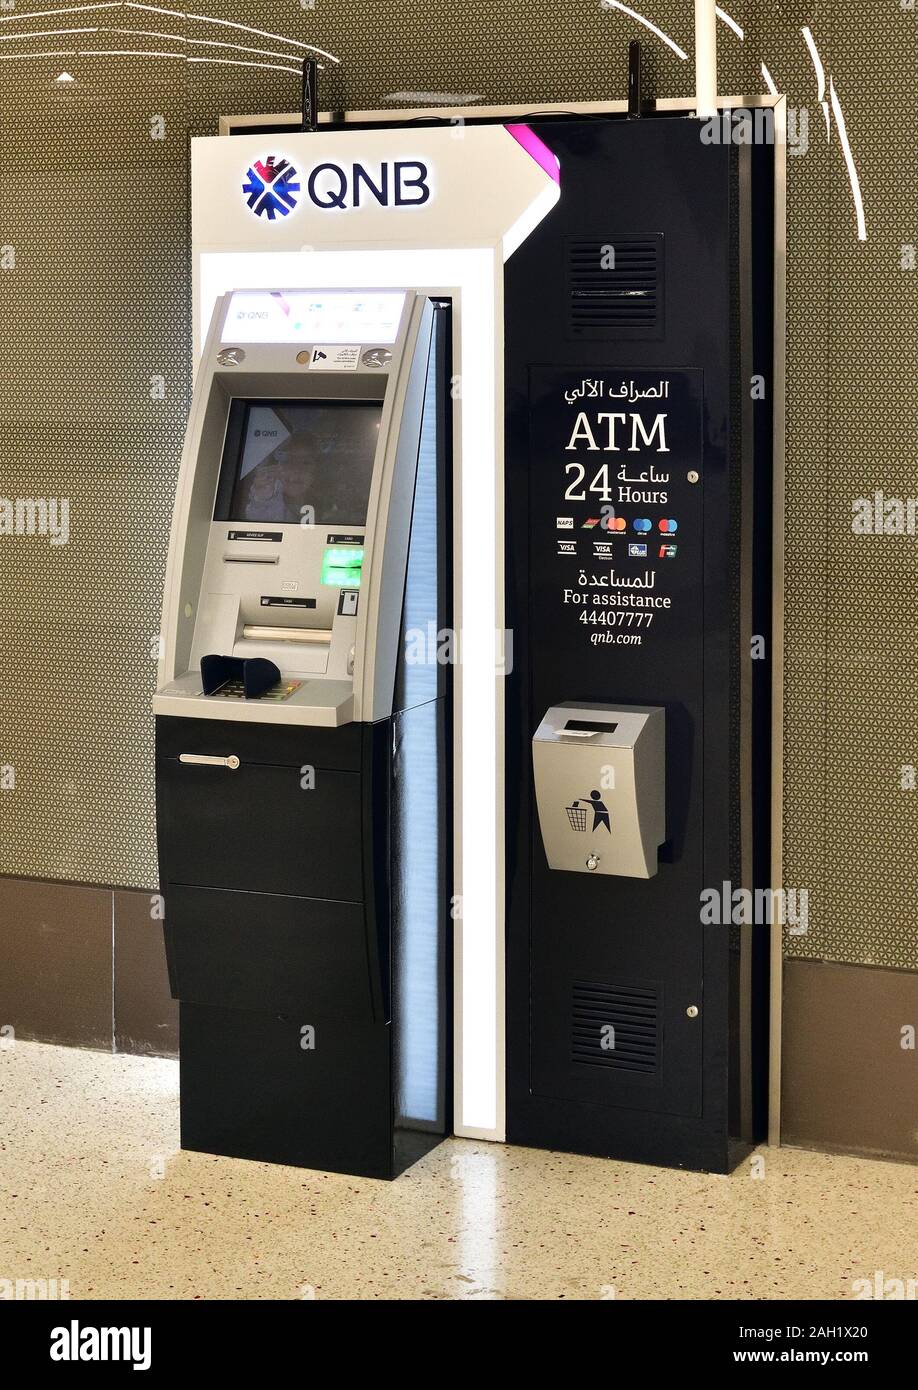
(634, 579)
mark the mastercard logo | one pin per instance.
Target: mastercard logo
(668, 526)
(617, 523)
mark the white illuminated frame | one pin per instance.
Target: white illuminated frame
(473, 278)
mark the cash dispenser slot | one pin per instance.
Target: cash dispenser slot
(256, 632)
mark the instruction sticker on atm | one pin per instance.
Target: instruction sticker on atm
(334, 358)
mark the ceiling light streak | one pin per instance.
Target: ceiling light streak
(48, 33)
(203, 43)
(175, 14)
(820, 71)
(241, 63)
(810, 42)
(56, 53)
(229, 24)
(849, 161)
(632, 14)
(769, 81)
(158, 9)
(149, 53)
(729, 21)
(71, 9)
(128, 53)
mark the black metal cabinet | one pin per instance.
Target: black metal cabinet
(264, 951)
(277, 937)
(654, 315)
(305, 906)
(261, 827)
(260, 1087)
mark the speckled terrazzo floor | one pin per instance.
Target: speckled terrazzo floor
(84, 1138)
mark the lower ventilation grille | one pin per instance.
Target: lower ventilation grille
(616, 1026)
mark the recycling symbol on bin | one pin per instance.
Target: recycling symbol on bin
(577, 813)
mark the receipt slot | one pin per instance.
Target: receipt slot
(303, 732)
(600, 787)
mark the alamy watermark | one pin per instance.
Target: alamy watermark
(740, 126)
(879, 1286)
(33, 1290)
(881, 515)
(36, 516)
(747, 907)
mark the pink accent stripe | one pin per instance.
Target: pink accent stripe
(537, 148)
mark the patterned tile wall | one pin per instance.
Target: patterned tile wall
(94, 387)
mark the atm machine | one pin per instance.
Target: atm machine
(303, 729)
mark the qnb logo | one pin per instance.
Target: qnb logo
(397, 183)
(271, 187)
(330, 187)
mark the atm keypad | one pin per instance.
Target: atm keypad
(234, 690)
(282, 691)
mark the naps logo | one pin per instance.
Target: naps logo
(271, 188)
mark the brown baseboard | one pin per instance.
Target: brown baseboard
(848, 1083)
(84, 966)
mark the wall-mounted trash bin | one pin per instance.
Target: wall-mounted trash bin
(600, 781)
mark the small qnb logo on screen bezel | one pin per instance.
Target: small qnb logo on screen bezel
(271, 187)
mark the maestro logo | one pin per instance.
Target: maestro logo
(271, 187)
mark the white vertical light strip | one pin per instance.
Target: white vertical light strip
(853, 179)
(479, 1070)
(476, 276)
(705, 59)
(769, 81)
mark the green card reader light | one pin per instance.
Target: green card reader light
(342, 566)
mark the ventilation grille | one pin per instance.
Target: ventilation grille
(615, 287)
(615, 1026)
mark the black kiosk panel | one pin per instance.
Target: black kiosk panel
(638, 536)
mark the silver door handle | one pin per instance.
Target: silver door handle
(231, 762)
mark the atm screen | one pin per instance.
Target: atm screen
(295, 461)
